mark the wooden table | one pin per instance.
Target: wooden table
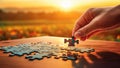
(107, 55)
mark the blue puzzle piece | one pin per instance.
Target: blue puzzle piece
(36, 56)
(71, 42)
(42, 50)
(71, 58)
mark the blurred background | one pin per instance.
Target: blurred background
(34, 18)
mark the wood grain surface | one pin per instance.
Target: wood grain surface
(107, 55)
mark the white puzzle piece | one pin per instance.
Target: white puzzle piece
(42, 50)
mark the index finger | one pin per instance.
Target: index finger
(83, 20)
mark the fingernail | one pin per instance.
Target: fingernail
(81, 36)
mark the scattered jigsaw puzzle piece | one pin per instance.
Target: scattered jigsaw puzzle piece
(35, 56)
(71, 58)
(70, 48)
(42, 50)
(87, 50)
(11, 54)
(57, 57)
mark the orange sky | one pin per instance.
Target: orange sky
(63, 4)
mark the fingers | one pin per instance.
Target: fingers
(100, 23)
(83, 20)
(86, 26)
(89, 29)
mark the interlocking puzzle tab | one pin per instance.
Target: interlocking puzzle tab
(71, 42)
(45, 49)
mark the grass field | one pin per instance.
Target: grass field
(35, 28)
(23, 29)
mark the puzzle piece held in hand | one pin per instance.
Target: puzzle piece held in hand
(71, 42)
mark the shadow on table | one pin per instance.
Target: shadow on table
(108, 60)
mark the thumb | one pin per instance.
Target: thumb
(82, 35)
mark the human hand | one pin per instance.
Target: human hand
(95, 20)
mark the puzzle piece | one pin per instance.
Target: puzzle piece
(71, 42)
(87, 50)
(71, 58)
(81, 50)
(70, 48)
(36, 56)
(18, 50)
(84, 50)
(59, 55)
(44, 49)
(0, 47)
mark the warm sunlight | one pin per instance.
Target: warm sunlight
(66, 5)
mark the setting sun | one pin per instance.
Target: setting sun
(66, 5)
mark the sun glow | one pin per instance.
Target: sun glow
(66, 5)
